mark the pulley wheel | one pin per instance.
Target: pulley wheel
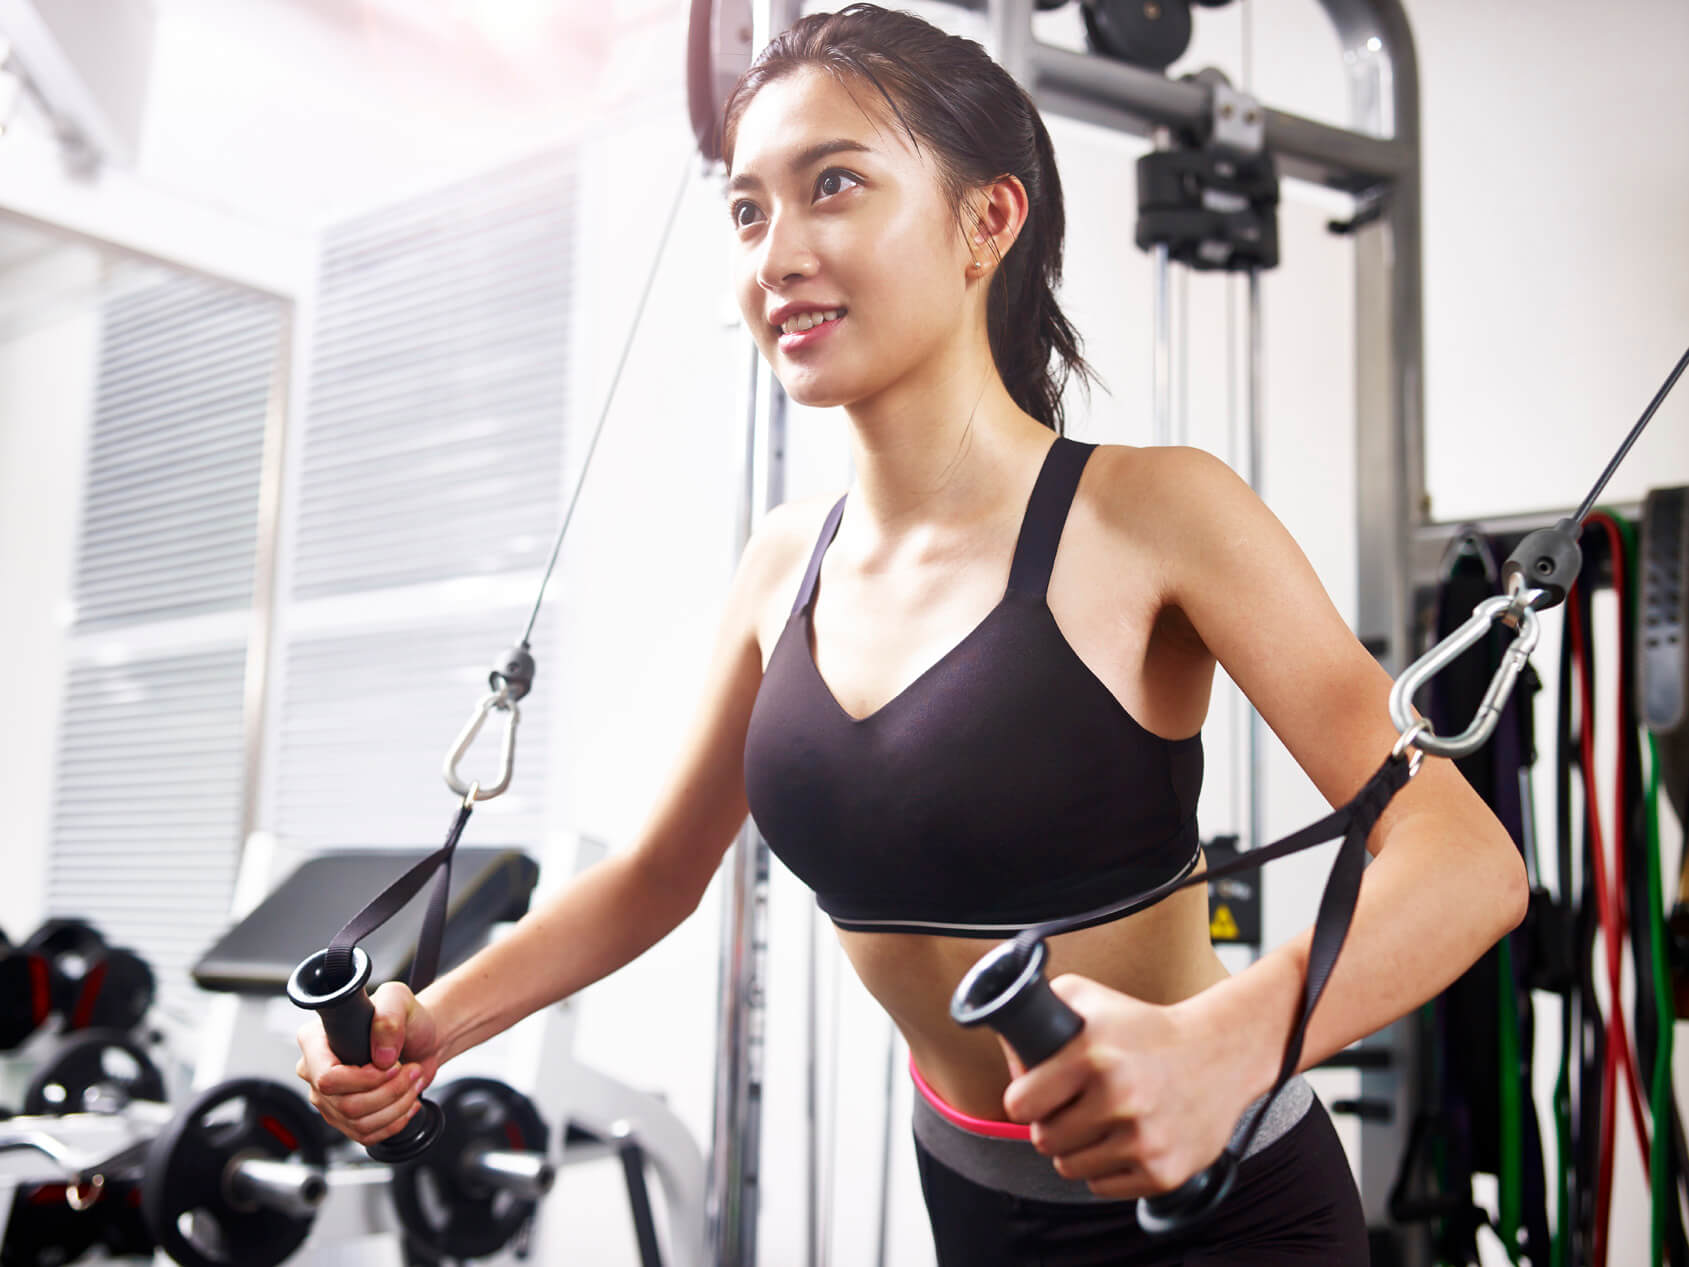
(1152, 34)
(443, 1210)
(186, 1194)
(718, 51)
(93, 1071)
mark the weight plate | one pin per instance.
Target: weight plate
(443, 1210)
(125, 993)
(185, 1192)
(26, 999)
(94, 1070)
(74, 950)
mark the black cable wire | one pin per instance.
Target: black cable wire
(598, 430)
(1636, 431)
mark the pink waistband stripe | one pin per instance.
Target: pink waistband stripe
(974, 1125)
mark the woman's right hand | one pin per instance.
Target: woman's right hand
(367, 1103)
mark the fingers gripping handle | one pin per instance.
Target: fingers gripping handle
(1008, 991)
(347, 1015)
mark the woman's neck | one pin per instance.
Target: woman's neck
(947, 460)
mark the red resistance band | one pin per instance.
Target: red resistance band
(1609, 898)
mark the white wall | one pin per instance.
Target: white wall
(46, 396)
(1554, 210)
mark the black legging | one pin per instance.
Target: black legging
(1295, 1205)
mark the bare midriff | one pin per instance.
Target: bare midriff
(1160, 955)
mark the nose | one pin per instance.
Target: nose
(786, 253)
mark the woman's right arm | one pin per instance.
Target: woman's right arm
(609, 915)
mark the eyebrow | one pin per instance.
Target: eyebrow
(804, 158)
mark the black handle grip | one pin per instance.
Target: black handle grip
(1008, 991)
(347, 1015)
(1192, 1201)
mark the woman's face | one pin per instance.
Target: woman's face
(861, 227)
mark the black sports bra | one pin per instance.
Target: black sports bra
(1004, 786)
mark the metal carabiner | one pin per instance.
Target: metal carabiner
(1514, 608)
(472, 792)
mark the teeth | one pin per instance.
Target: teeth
(809, 320)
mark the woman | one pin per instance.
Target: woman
(968, 696)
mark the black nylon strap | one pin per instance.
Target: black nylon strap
(1046, 516)
(1354, 822)
(812, 573)
(390, 901)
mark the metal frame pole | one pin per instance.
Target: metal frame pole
(736, 1143)
(1255, 748)
(735, 1187)
(1163, 362)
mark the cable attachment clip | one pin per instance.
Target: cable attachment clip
(1548, 562)
(474, 792)
(514, 673)
(1514, 609)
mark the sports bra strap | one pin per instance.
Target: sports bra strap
(1046, 514)
(806, 591)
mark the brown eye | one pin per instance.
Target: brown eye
(835, 171)
(820, 181)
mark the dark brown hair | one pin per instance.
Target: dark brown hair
(980, 125)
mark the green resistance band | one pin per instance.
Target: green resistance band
(1512, 1169)
(1661, 1092)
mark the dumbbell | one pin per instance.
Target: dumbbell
(235, 1180)
(1008, 991)
(475, 1190)
(92, 985)
(96, 1071)
(347, 1014)
(26, 994)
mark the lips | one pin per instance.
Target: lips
(806, 338)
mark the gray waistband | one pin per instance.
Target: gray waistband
(1015, 1166)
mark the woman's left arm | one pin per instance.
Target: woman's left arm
(1445, 884)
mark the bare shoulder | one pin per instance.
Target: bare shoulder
(1160, 510)
(1159, 494)
(774, 559)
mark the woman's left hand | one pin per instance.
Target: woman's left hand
(1138, 1101)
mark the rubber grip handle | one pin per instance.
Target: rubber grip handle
(1037, 1024)
(1191, 1202)
(1008, 991)
(348, 1025)
(347, 1015)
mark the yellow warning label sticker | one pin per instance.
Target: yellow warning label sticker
(1222, 924)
